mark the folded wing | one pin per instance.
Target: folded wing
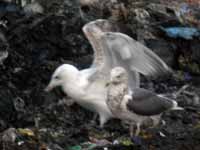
(147, 103)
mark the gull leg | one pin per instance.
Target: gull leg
(93, 121)
(131, 130)
(138, 129)
(102, 120)
(156, 120)
(95, 116)
(135, 138)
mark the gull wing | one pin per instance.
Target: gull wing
(102, 63)
(93, 31)
(122, 50)
(112, 49)
(147, 103)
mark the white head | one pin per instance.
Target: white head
(118, 75)
(62, 75)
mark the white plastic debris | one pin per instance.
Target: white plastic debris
(162, 134)
(3, 56)
(20, 143)
(115, 142)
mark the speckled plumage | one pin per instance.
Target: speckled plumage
(115, 96)
(138, 107)
(117, 101)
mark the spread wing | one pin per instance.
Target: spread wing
(147, 103)
(93, 31)
(122, 50)
(112, 49)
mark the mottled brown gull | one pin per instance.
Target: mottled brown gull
(88, 86)
(139, 106)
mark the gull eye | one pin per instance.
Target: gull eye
(56, 77)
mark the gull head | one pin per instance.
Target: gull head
(118, 75)
(61, 76)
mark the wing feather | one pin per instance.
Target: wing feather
(112, 49)
(93, 31)
(145, 102)
(133, 56)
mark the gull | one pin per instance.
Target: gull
(138, 107)
(87, 87)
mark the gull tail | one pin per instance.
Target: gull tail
(176, 107)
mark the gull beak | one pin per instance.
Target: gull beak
(48, 88)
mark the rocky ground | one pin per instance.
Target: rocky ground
(31, 119)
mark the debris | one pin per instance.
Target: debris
(115, 142)
(160, 8)
(26, 132)
(3, 56)
(162, 134)
(136, 140)
(196, 100)
(142, 16)
(19, 104)
(146, 135)
(9, 135)
(43, 147)
(32, 8)
(187, 33)
(126, 141)
(3, 47)
(78, 147)
(83, 146)
(187, 76)
(99, 142)
(89, 146)
(34, 45)
(3, 23)
(188, 13)
(8, 7)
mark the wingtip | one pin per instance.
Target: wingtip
(165, 72)
(92, 22)
(168, 69)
